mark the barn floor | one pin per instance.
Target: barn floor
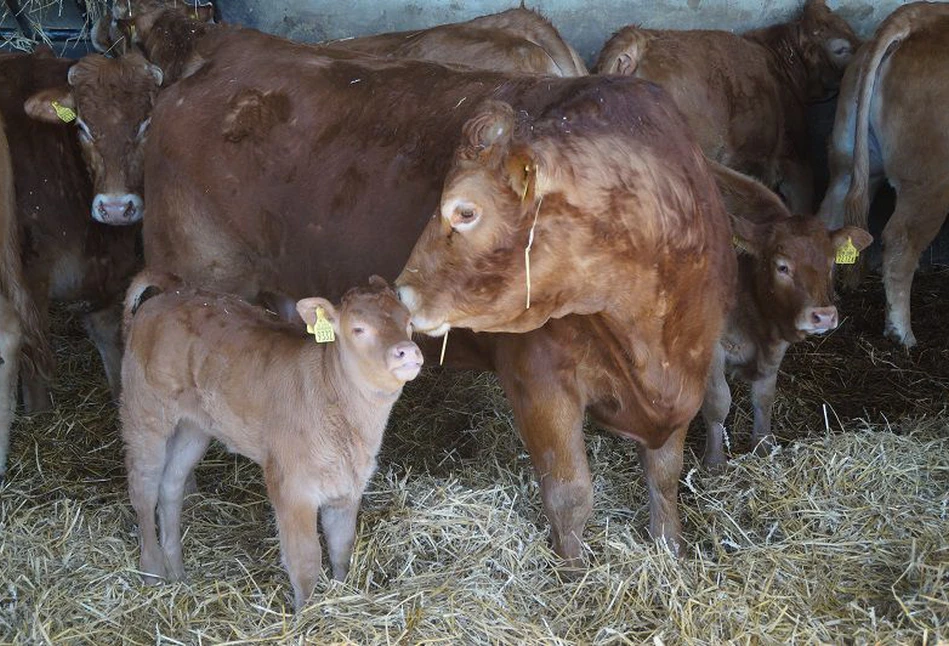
(841, 535)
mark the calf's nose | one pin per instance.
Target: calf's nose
(113, 208)
(824, 318)
(406, 352)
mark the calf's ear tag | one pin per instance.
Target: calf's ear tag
(739, 244)
(65, 114)
(322, 329)
(846, 253)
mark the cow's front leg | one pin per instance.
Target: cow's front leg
(549, 412)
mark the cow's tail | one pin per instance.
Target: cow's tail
(37, 355)
(145, 285)
(891, 32)
(624, 51)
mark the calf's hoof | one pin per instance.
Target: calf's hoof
(906, 339)
(714, 462)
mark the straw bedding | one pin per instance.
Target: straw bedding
(839, 536)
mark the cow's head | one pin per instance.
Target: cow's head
(373, 333)
(793, 264)
(118, 31)
(109, 102)
(827, 44)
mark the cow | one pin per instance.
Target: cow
(889, 124)
(52, 250)
(115, 33)
(200, 366)
(318, 167)
(515, 40)
(785, 293)
(745, 97)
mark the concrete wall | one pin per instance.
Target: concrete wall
(586, 24)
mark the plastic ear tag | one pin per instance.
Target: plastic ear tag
(846, 253)
(323, 329)
(66, 114)
(739, 244)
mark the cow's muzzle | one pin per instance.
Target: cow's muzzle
(117, 209)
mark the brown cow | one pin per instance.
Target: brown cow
(785, 293)
(113, 148)
(306, 149)
(745, 96)
(516, 40)
(891, 123)
(201, 366)
(48, 237)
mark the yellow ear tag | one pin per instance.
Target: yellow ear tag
(67, 115)
(846, 253)
(323, 329)
(739, 244)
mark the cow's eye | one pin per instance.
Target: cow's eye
(466, 215)
(783, 267)
(359, 331)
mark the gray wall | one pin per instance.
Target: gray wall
(585, 24)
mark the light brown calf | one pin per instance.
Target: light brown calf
(200, 366)
(892, 124)
(785, 293)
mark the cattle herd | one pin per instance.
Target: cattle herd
(612, 243)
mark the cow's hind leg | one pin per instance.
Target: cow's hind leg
(920, 211)
(10, 341)
(104, 328)
(184, 451)
(339, 528)
(145, 452)
(549, 412)
(296, 513)
(662, 468)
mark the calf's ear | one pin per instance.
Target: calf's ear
(858, 237)
(378, 282)
(309, 311)
(749, 237)
(53, 105)
(202, 12)
(490, 128)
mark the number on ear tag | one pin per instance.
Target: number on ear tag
(322, 330)
(66, 114)
(847, 253)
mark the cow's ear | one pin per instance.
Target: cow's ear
(52, 105)
(102, 35)
(749, 237)
(491, 127)
(522, 172)
(311, 310)
(156, 73)
(857, 237)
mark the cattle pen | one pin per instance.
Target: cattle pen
(839, 534)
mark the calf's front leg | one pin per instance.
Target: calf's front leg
(296, 523)
(339, 528)
(715, 407)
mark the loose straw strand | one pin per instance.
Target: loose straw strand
(527, 251)
(441, 360)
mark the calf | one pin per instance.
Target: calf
(201, 366)
(116, 32)
(785, 293)
(745, 97)
(891, 124)
(516, 40)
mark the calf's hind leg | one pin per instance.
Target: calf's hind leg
(185, 449)
(145, 462)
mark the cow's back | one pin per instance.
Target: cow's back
(242, 211)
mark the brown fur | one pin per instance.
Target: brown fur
(116, 33)
(201, 365)
(785, 292)
(344, 186)
(745, 96)
(891, 124)
(65, 255)
(516, 40)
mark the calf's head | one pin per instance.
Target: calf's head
(827, 44)
(116, 32)
(374, 335)
(792, 267)
(468, 267)
(111, 103)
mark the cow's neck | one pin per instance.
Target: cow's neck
(364, 408)
(786, 58)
